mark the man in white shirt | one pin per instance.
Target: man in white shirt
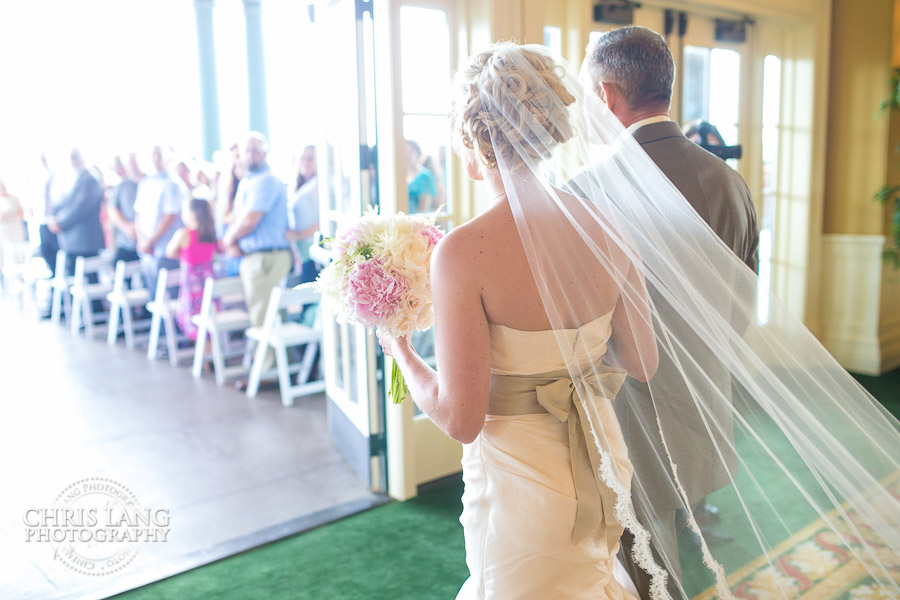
(157, 210)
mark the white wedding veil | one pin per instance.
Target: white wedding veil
(756, 417)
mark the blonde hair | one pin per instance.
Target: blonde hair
(498, 108)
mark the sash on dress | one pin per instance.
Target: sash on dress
(523, 395)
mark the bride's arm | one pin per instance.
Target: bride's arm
(455, 396)
(633, 343)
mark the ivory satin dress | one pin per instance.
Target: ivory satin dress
(538, 522)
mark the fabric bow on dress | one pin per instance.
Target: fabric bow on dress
(581, 405)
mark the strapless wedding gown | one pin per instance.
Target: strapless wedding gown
(528, 532)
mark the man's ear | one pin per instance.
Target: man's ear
(609, 93)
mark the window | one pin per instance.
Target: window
(293, 80)
(231, 69)
(116, 78)
(553, 39)
(770, 134)
(425, 76)
(711, 89)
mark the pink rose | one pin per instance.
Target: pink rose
(373, 293)
(433, 234)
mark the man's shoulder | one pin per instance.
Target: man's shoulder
(85, 177)
(308, 192)
(263, 192)
(266, 180)
(658, 131)
(673, 151)
(88, 183)
(666, 135)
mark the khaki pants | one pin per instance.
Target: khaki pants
(260, 274)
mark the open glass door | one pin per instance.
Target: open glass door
(347, 187)
(416, 57)
(714, 69)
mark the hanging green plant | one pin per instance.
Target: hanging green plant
(890, 193)
(891, 254)
(893, 102)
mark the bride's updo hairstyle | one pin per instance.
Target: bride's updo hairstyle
(510, 101)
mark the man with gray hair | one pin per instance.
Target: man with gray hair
(258, 234)
(632, 71)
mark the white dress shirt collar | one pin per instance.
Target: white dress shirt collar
(638, 124)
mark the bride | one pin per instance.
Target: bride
(588, 281)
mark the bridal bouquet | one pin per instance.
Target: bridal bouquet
(380, 277)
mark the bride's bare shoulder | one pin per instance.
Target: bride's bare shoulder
(462, 240)
(472, 244)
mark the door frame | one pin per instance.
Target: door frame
(354, 412)
(417, 451)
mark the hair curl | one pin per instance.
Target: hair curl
(499, 107)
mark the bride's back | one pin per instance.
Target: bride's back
(508, 291)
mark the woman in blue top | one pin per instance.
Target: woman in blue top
(419, 180)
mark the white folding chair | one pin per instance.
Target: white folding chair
(219, 324)
(281, 335)
(123, 300)
(84, 293)
(60, 298)
(162, 320)
(19, 270)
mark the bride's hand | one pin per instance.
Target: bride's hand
(393, 346)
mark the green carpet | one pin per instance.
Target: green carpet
(779, 511)
(408, 549)
(886, 388)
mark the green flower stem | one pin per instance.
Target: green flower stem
(398, 384)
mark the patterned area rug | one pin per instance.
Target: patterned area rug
(814, 565)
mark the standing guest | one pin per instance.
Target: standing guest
(440, 178)
(202, 177)
(194, 245)
(303, 212)
(704, 133)
(12, 225)
(156, 210)
(228, 175)
(183, 174)
(419, 180)
(120, 209)
(49, 243)
(258, 232)
(134, 167)
(76, 219)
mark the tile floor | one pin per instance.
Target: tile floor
(233, 472)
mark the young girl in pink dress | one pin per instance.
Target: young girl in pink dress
(194, 245)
